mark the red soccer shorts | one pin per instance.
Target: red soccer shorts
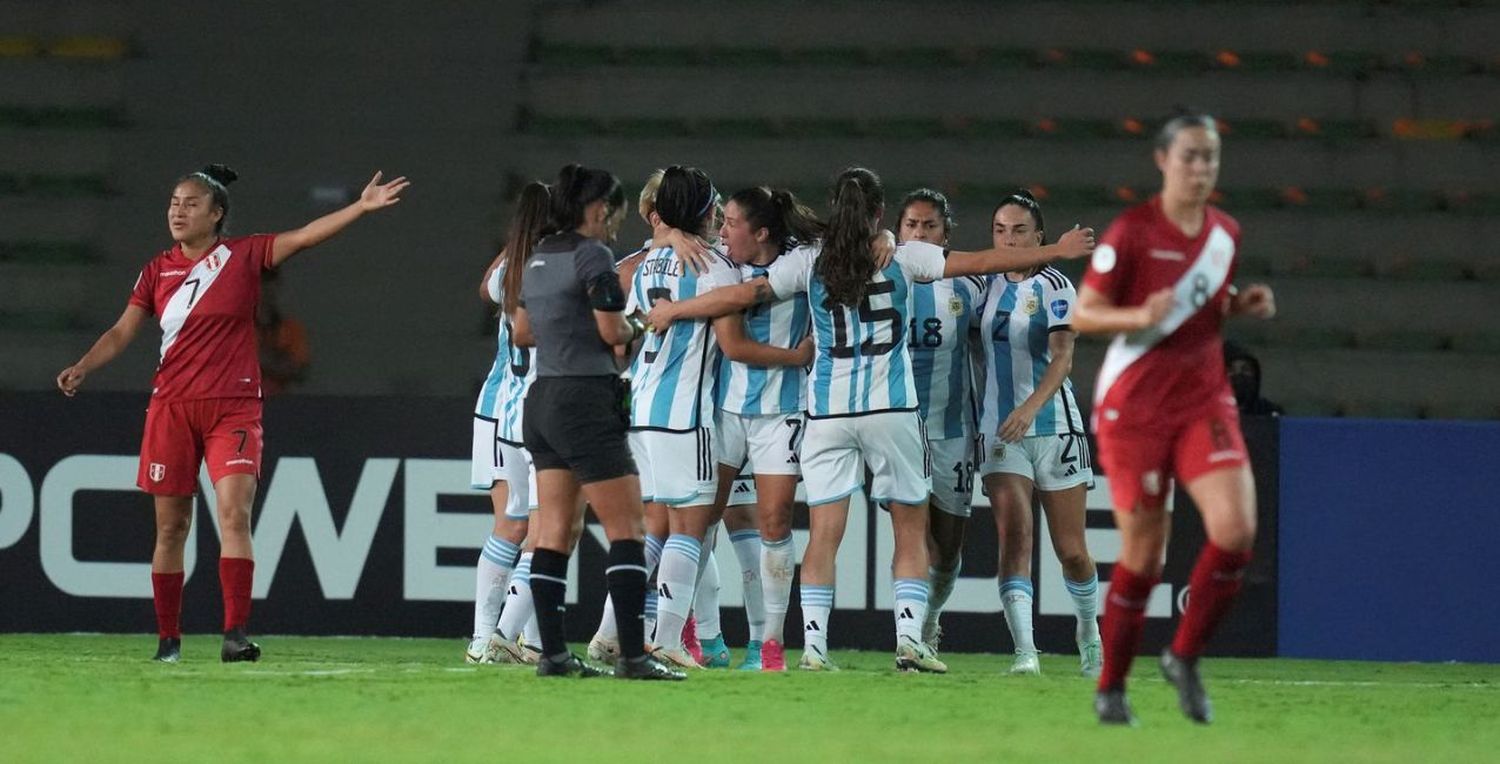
(1140, 465)
(225, 432)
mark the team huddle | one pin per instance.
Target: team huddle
(751, 346)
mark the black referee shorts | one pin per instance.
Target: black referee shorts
(579, 424)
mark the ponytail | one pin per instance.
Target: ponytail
(529, 224)
(847, 263)
(577, 187)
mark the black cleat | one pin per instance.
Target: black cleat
(1191, 697)
(569, 666)
(238, 647)
(1113, 708)
(168, 650)
(647, 668)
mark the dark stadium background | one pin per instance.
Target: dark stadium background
(1361, 156)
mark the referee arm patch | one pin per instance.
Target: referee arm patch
(605, 294)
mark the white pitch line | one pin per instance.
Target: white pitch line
(1352, 683)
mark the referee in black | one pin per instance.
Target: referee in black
(573, 311)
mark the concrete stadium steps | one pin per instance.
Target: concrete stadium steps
(1394, 167)
(1294, 28)
(874, 92)
(60, 83)
(48, 352)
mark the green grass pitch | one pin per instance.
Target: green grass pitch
(98, 698)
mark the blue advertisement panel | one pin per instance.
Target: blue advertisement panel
(1388, 533)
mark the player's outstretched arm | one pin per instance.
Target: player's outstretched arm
(376, 196)
(109, 345)
(1076, 243)
(730, 332)
(1097, 314)
(720, 302)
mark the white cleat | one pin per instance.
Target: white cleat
(510, 651)
(475, 652)
(912, 655)
(604, 649)
(814, 660)
(1091, 658)
(1026, 664)
(675, 657)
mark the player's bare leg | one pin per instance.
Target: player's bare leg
(497, 561)
(909, 571)
(617, 504)
(826, 524)
(1226, 499)
(1010, 499)
(775, 495)
(236, 495)
(1065, 524)
(945, 546)
(677, 578)
(174, 520)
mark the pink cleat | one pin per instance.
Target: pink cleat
(690, 640)
(772, 656)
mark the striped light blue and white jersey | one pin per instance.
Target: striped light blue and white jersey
(943, 313)
(860, 365)
(672, 378)
(503, 394)
(1018, 319)
(765, 390)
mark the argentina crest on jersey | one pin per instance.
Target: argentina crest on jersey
(1018, 320)
(672, 378)
(942, 314)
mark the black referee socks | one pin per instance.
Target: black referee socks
(625, 573)
(549, 590)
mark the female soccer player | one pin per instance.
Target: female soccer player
(1033, 434)
(205, 397)
(672, 385)
(944, 315)
(1163, 409)
(760, 421)
(500, 463)
(861, 398)
(572, 311)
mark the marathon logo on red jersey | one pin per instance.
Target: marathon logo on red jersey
(190, 293)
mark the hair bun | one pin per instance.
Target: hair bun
(221, 173)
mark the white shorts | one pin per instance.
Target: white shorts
(1053, 462)
(836, 451)
(761, 445)
(677, 468)
(953, 465)
(495, 460)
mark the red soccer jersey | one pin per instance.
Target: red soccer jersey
(1158, 379)
(207, 313)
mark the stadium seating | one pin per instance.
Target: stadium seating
(61, 112)
(1361, 146)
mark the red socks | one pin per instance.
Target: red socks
(236, 575)
(1215, 583)
(1124, 618)
(167, 591)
